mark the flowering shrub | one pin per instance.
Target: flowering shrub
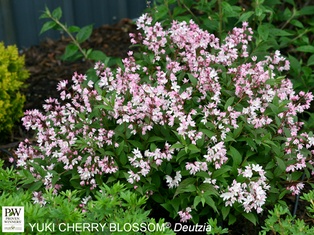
(194, 123)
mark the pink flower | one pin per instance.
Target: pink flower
(38, 198)
(173, 183)
(185, 215)
(251, 194)
(296, 189)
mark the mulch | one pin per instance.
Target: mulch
(47, 70)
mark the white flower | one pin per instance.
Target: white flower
(174, 182)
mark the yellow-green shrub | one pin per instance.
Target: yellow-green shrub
(12, 77)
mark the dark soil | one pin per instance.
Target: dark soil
(47, 70)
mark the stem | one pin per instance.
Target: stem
(64, 28)
(300, 35)
(220, 18)
(189, 10)
(288, 21)
(297, 198)
(179, 3)
(169, 11)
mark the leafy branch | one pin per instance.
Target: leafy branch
(74, 50)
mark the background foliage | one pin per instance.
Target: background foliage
(12, 79)
(114, 204)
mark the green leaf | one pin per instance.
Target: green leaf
(168, 206)
(48, 25)
(297, 23)
(120, 148)
(221, 171)
(137, 144)
(197, 200)
(84, 33)
(168, 169)
(70, 51)
(207, 132)
(295, 64)
(282, 194)
(193, 148)
(245, 16)
(46, 14)
(237, 132)
(308, 10)
(153, 147)
(270, 165)
(236, 157)
(178, 11)
(73, 29)
(162, 10)
(232, 219)
(28, 177)
(186, 185)
(75, 182)
(229, 102)
(177, 146)
(97, 55)
(225, 211)
(229, 138)
(156, 139)
(226, 7)
(208, 189)
(263, 31)
(55, 178)
(307, 48)
(156, 180)
(158, 198)
(279, 32)
(181, 155)
(286, 14)
(209, 201)
(123, 158)
(251, 217)
(192, 79)
(281, 163)
(57, 13)
(310, 61)
(35, 186)
(258, 11)
(39, 169)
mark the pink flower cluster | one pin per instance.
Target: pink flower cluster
(61, 130)
(39, 199)
(296, 189)
(143, 163)
(174, 182)
(251, 193)
(185, 215)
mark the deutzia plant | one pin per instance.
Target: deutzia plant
(193, 122)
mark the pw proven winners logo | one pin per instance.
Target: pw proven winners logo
(12, 219)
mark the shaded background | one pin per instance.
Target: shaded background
(20, 23)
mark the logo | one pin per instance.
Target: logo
(12, 219)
